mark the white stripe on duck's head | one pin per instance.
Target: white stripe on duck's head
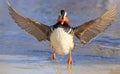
(63, 13)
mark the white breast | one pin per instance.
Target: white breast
(61, 41)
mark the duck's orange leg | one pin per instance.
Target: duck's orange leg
(54, 56)
(70, 58)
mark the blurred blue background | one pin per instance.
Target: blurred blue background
(21, 53)
(15, 41)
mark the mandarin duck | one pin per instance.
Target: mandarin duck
(61, 34)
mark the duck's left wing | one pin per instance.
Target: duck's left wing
(37, 29)
(89, 30)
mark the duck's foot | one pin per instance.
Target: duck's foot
(54, 56)
(70, 59)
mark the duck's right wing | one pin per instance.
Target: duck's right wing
(37, 29)
(91, 29)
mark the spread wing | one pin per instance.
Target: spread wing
(38, 30)
(91, 29)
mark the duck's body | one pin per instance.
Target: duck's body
(61, 35)
(62, 39)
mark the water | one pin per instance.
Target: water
(22, 54)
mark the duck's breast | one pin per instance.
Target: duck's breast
(61, 41)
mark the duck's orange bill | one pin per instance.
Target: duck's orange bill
(62, 21)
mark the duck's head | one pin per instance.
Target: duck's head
(63, 14)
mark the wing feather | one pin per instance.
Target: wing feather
(37, 29)
(91, 29)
